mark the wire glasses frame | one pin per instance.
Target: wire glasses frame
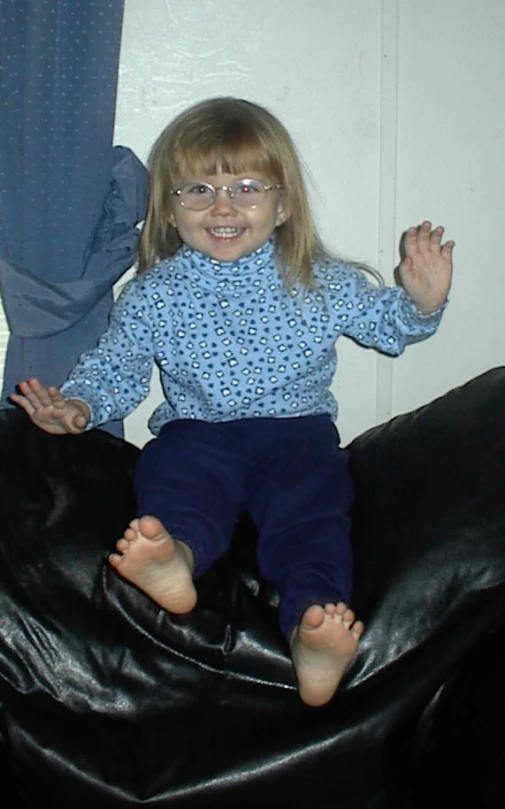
(197, 196)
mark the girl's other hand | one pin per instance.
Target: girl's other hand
(426, 269)
(49, 410)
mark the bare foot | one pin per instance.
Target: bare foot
(322, 646)
(157, 564)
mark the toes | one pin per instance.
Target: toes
(115, 559)
(312, 618)
(342, 611)
(122, 545)
(348, 618)
(151, 528)
(316, 615)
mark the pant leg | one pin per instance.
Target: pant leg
(301, 493)
(191, 477)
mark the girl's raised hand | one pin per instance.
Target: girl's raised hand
(49, 410)
(426, 270)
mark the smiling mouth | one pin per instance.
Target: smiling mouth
(226, 233)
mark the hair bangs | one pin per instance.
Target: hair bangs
(235, 152)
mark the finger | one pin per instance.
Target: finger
(410, 241)
(80, 421)
(448, 247)
(40, 397)
(424, 235)
(436, 237)
(417, 238)
(23, 402)
(47, 397)
(34, 392)
(56, 399)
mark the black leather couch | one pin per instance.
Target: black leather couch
(107, 701)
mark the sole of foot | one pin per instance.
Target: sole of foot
(160, 566)
(322, 646)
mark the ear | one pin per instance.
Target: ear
(283, 212)
(171, 217)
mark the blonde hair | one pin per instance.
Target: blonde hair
(230, 136)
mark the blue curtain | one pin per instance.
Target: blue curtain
(70, 202)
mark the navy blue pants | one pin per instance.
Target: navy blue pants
(289, 474)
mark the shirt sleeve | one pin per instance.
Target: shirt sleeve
(114, 377)
(384, 318)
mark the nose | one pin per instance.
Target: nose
(223, 203)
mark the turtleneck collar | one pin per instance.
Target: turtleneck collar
(216, 270)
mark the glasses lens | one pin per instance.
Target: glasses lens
(245, 193)
(196, 196)
(248, 193)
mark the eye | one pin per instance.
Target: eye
(248, 188)
(197, 190)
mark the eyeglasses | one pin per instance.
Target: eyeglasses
(198, 196)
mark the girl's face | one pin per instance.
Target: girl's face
(226, 231)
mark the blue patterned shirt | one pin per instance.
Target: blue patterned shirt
(232, 342)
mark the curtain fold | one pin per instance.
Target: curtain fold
(70, 202)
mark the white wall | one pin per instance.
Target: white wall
(398, 109)
(451, 164)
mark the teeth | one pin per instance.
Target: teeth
(225, 233)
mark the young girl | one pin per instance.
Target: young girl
(240, 307)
